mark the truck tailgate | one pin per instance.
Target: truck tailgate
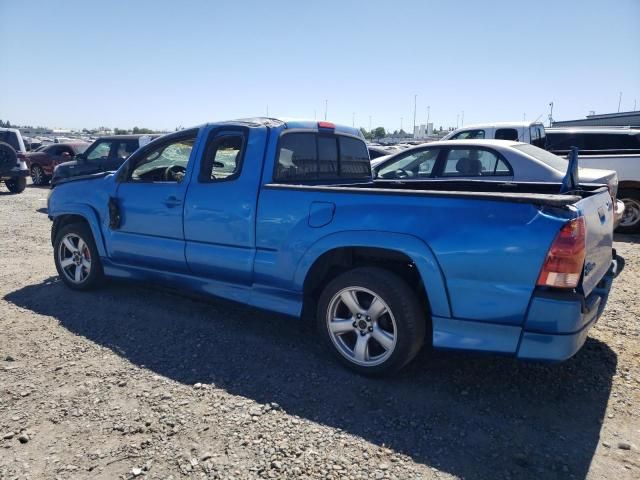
(598, 213)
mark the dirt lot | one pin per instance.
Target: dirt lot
(130, 381)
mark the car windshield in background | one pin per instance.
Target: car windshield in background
(79, 148)
(544, 156)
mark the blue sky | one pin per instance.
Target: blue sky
(161, 64)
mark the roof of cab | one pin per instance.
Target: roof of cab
(501, 124)
(289, 124)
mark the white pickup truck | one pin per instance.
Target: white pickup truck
(526, 132)
(609, 148)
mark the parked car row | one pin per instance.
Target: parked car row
(286, 216)
(612, 149)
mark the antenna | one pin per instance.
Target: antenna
(619, 101)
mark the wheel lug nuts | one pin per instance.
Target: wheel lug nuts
(358, 316)
(371, 329)
(355, 325)
(363, 333)
(368, 318)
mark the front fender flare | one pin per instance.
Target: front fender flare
(90, 216)
(413, 247)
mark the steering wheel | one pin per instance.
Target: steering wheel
(401, 173)
(174, 173)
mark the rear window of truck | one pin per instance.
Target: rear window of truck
(312, 156)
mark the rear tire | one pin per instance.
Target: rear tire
(16, 184)
(76, 257)
(630, 222)
(371, 320)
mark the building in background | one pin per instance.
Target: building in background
(620, 119)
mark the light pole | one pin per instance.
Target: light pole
(353, 120)
(551, 113)
(326, 103)
(457, 120)
(428, 113)
(369, 123)
(401, 123)
(462, 122)
(415, 100)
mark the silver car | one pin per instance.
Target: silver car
(498, 160)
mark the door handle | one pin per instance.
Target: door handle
(172, 201)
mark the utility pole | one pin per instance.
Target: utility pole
(428, 113)
(326, 103)
(462, 122)
(551, 113)
(619, 101)
(457, 120)
(415, 100)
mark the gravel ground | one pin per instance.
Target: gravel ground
(130, 381)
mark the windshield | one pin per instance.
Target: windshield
(548, 158)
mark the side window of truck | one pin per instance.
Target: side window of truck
(222, 157)
(165, 162)
(474, 162)
(99, 152)
(507, 134)
(468, 135)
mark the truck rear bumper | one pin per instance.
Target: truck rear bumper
(557, 324)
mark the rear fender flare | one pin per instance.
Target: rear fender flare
(416, 249)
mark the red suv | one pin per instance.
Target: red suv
(42, 162)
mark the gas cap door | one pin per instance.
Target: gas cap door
(321, 214)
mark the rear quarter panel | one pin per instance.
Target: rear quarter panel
(489, 253)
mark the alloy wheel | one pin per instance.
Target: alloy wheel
(361, 326)
(74, 257)
(37, 175)
(631, 215)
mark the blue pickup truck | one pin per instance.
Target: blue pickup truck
(285, 216)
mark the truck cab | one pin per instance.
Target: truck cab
(526, 132)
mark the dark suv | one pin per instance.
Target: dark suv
(104, 155)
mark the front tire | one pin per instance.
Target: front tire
(76, 257)
(38, 176)
(16, 184)
(630, 222)
(372, 320)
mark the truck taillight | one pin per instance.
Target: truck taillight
(565, 259)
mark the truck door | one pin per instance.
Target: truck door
(150, 200)
(220, 207)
